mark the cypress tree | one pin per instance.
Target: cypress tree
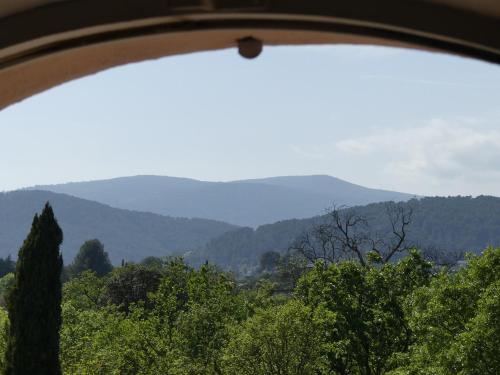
(34, 302)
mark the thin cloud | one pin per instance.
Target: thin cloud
(422, 81)
(439, 150)
(316, 154)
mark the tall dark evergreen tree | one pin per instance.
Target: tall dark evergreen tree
(91, 257)
(34, 303)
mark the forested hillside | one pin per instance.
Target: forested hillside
(246, 203)
(453, 224)
(126, 234)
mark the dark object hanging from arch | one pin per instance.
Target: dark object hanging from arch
(250, 47)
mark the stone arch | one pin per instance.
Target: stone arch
(44, 43)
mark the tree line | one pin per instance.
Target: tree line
(444, 228)
(299, 315)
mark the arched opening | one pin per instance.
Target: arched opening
(45, 43)
(164, 315)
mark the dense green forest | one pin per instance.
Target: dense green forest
(164, 317)
(444, 228)
(369, 315)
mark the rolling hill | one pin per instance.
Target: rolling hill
(245, 203)
(447, 225)
(126, 234)
(453, 224)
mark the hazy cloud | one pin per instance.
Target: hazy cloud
(440, 150)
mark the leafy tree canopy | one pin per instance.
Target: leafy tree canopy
(91, 257)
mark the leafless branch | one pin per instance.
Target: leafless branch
(344, 234)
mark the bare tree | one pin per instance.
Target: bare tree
(344, 234)
(318, 244)
(400, 216)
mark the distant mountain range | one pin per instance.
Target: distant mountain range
(245, 203)
(447, 225)
(126, 234)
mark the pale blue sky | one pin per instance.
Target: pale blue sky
(411, 121)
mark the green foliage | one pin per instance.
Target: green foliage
(182, 328)
(84, 292)
(202, 329)
(261, 295)
(34, 301)
(6, 283)
(107, 341)
(365, 324)
(278, 340)
(290, 269)
(456, 320)
(476, 348)
(130, 284)
(91, 257)
(153, 262)
(4, 324)
(374, 258)
(398, 318)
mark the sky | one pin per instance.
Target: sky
(410, 121)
